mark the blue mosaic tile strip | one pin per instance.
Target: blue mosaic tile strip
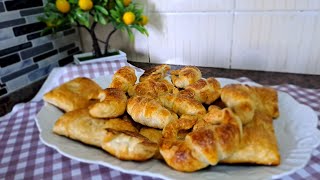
(13, 49)
(1, 7)
(41, 73)
(29, 28)
(66, 47)
(31, 11)
(8, 60)
(22, 4)
(36, 50)
(65, 61)
(73, 51)
(3, 91)
(45, 55)
(14, 67)
(21, 72)
(11, 23)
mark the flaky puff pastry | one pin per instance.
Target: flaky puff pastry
(113, 102)
(210, 141)
(124, 78)
(153, 135)
(244, 100)
(185, 76)
(149, 112)
(74, 94)
(152, 88)
(80, 126)
(126, 145)
(156, 73)
(241, 100)
(204, 90)
(182, 104)
(258, 143)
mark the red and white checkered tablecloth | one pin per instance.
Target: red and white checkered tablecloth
(24, 156)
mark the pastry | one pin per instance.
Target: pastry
(185, 76)
(149, 112)
(74, 94)
(156, 73)
(124, 78)
(113, 102)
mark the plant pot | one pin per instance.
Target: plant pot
(87, 58)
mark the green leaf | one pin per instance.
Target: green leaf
(114, 14)
(119, 4)
(82, 17)
(101, 19)
(101, 9)
(131, 36)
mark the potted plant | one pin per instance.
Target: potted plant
(124, 15)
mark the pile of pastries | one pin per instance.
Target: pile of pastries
(188, 121)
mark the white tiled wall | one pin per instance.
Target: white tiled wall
(269, 35)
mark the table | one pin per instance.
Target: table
(24, 156)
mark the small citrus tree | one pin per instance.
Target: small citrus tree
(124, 15)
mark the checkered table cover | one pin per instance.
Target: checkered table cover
(24, 156)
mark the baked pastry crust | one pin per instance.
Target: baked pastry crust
(153, 135)
(156, 73)
(149, 112)
(124, 78)
(258, 143)
(126, 145)
(74, 94)
(185, 76)
(113, 102)
(182, 104)
(204, 90)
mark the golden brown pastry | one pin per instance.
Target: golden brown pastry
(80, 126)
(258, 144)
(156, 73)
(244, 100)
(240, 99)
(113, 102)
(185, 76)
(153, 135)
(182, 105)
(204, 90)
(126, 145)
(124, 78)
(74, 94)
(267, 101)
(210, 141)
(152, 88)
(149, 112)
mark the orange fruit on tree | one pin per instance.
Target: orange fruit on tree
(126, 2)
(144, 20)
(63, 6)
(85, 5)
(128, 18)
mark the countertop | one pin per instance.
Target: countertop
(265, 78)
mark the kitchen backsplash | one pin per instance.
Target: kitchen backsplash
(26, 56)
(268, 35)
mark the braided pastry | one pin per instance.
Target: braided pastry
(124, 78)
(185, 76)
(182, 105)
(155, 73)
(204, 90)
(152, 88)
(113, 104)
(211, 140)
(149, 112)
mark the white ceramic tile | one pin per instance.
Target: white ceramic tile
(189, 5)
(191, 39)
(277, 4)
(285, 42)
